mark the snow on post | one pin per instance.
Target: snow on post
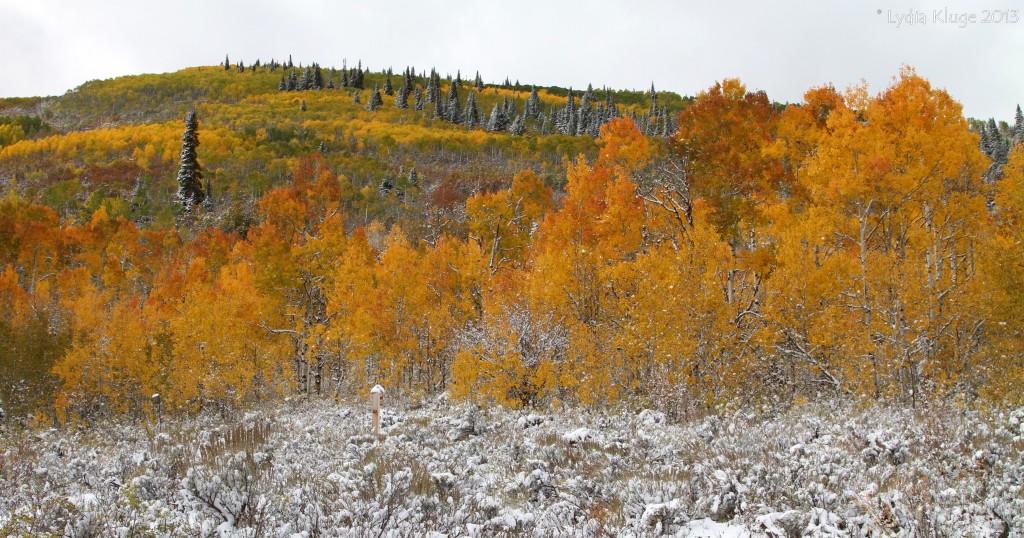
(376, 399)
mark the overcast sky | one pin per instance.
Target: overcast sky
(783, 47)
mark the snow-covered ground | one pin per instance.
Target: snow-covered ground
(313, 469)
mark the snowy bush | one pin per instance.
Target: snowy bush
(314, 469)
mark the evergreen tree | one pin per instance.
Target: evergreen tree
(454, 115)
(518, 126)
(344, 78)
(991, 139)
(227, 66)
(302, 105)
(653, 111)
(355, 98)
(414, 178)
(439, 110)
(458, 78)
(190, 174)
(375, 100)
(322, 148)
(567, 123)
(402, 98)
(409, 79)
(290, 64)
(388, 88)
(283, 85)
(318, 78)
(509, 106)
(498, 121)
(472, 114)
(419, 99)
(532, 107)
(479, 83)
(430, 87)
(357, 77)
(1018, 126)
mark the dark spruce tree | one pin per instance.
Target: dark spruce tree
(388, 88)
(1018, 126)
(357, 76)
(402, 97)
(227, 63)
(190, 175)
(532, 107)
(472, 114)
(518, 126)
(478, 82)
(318, 78)
(453, 114)
(375, 100)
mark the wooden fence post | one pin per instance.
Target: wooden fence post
(376, 399)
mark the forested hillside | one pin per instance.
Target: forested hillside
(502, 243)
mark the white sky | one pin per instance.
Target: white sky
(783, 47)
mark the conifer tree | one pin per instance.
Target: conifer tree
(402, 98)
(302, 106)
(518, 126)
(409, 80)
(472, 114)
(322, 148)
(375, 100)
(653, 111)
(498, 121)
(344, 78)
(1018, 126)
(355, 98)
(388, 88)
(414, 177)
(318, 78)
(419, 99)
(532, 107)
(439, 110)
(458, 78)
(190, 174)
(227, 65)
(357, 77)
(479, 83)
(990, 138)
(454, 115)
